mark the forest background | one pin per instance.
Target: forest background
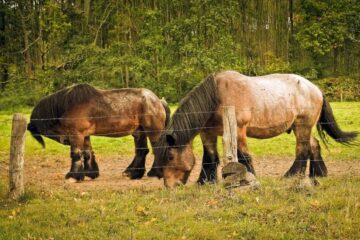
(170, 46)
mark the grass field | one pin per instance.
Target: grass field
(278, 210)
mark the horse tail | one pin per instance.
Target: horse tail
(167, 111)
(31, 127)
(328, 124)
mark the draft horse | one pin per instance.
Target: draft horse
(70, 116)
(265, 106)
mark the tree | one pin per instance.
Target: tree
(327, 25)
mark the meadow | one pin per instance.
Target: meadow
(89, 210)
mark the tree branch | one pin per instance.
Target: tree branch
(105, 17)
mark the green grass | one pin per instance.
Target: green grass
(277, 211)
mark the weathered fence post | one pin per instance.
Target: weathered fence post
(230, 134)
(234, 173)
(17, 146)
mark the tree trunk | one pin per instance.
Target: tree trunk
(291, 31)
(335, 62)
(26, 51)
(106, 15)
(4, 66)
(87, 10)
(126, 76)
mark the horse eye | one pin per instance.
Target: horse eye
(171, 157)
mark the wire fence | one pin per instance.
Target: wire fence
(117, 170)
(4, 122)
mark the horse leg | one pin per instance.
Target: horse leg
(243, 152)
(210, 158)
(77, 168)
(317, 164)
(136, 169)
(91, 168)
(156, 168)
(303, 151)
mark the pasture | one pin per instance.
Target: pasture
(113, 207)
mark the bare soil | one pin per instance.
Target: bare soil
(48, 173)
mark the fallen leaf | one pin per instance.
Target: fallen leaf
(141, 210)
(212, 202)
(315, 204)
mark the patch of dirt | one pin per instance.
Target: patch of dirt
(48, 173)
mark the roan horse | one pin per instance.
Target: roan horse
(70, 116)
(265, 107)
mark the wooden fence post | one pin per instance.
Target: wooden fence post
(234, 173)
(17, 146)
(230, 134)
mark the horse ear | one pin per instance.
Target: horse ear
(170, 140)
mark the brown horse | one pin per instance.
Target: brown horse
(70, 116)
(265, 106)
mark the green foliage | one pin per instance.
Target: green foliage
(336, 89)
(327, 24)
(274, 64)
(55, 26)
(168, 46)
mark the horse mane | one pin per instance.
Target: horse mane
(193, 112)
(47, 112)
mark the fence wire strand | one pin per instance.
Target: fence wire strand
(4, 166)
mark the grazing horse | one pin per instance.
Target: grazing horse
(265, 107)
(70, 116)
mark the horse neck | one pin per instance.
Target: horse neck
(186, 125)
(194, 111)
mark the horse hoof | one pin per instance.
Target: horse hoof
(92, 175)
(203, 181)
(70, 181)
(79, 176)
(318, 173)
(289, 174)
(126, 174)
(154, 173)
(138, 174)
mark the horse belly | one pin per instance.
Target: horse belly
(118, 128)
(271, 122)
(269, 132)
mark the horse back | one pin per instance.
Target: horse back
(137, 104)
(273, 101)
